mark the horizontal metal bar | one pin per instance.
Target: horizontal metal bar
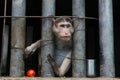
(79, 17)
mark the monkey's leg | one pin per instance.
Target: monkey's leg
(32, 48)
(65, 64)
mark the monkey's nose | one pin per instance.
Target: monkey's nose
(66, 33)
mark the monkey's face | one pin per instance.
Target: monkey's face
(63, 30)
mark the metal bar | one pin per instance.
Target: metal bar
(79, 66)
(4, 43)
(80, 17)
(48, 8)
(17, 38)
(107, 66)
(4, 55)
(5, 8)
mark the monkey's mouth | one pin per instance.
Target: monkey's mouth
(65, 37)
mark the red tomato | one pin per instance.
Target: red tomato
(31, 73)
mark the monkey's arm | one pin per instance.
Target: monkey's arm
(65, 64)
(63, 68)
(32, 48)
(53, 64)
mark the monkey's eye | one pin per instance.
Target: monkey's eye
(68, 25)
(62, 25)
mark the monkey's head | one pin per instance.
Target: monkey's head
(63, 28)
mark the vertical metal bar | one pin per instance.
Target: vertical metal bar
(3, 65)
(17, 38)
(79, 66)
(4, 43)
(107, 68)
(48, 9)
(5, 8)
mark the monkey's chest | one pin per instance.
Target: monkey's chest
(60, 55)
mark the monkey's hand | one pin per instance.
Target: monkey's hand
(31, 49)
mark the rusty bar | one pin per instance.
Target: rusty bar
(107, 66)
(48, 8)
(80, 17)
(17, 38)
(79, 66)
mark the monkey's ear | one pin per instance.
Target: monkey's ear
(53, 20)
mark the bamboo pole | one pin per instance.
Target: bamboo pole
(79, 66)
(17, 38)
(48, 9)
(107, 68)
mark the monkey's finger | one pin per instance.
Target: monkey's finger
(50, 58)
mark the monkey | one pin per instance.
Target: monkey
(63, 30)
